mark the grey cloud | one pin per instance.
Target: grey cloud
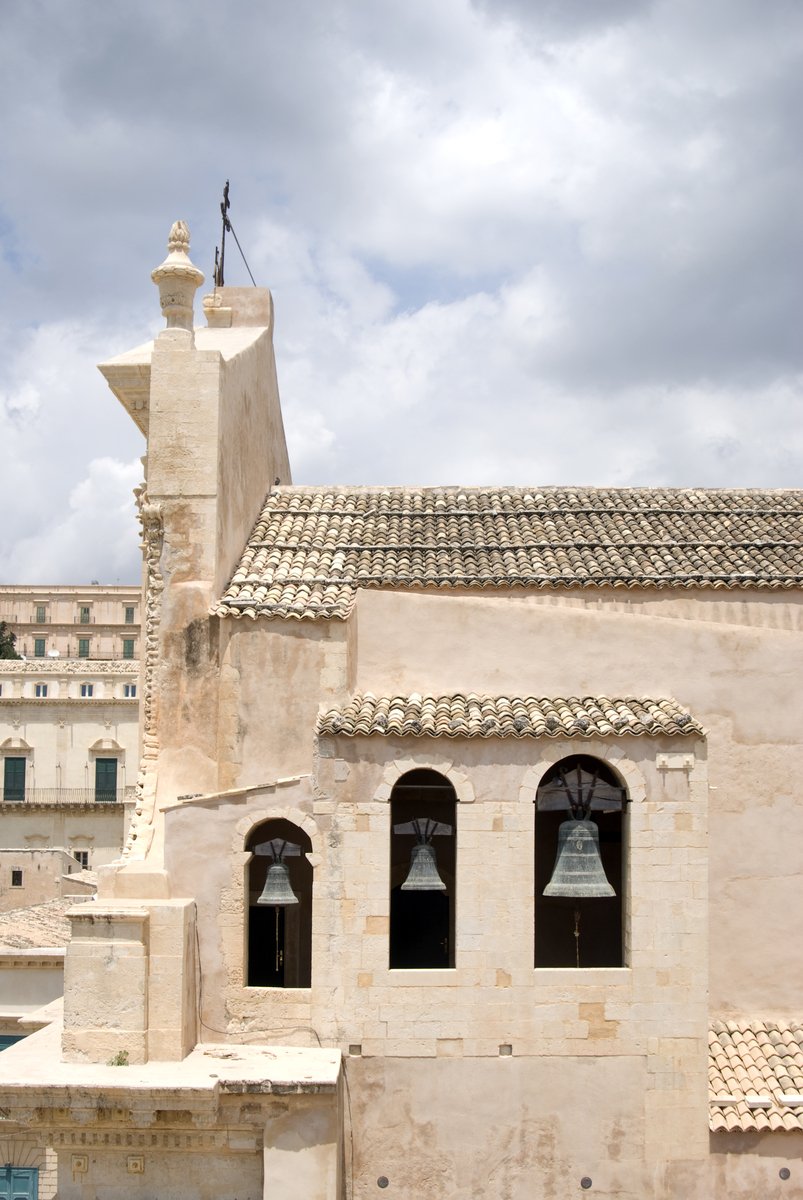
(565, 18)
(506, 241)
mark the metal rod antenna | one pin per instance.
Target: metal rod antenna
(225, 205)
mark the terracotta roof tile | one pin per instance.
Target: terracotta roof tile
(312, 548)
(474, 715)
(37, 926)
(749, 1064)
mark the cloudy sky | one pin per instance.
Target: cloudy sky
(509, 241)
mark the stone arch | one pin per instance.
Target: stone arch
(559, 921)
(422, 835)
(256, 816)
(283, 931)
(464, 789)
(609, 753)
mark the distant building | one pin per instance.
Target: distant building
(69, 716)
(94, 622)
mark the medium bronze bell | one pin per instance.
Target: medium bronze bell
(423, 874)
(578, 871)
(277, 890)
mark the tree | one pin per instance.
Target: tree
(7, 641)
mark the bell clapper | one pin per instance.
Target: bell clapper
(577, 933)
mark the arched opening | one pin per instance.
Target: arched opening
(423, 811)
(279, 936)
(580, 810)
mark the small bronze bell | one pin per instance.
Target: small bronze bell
(423, 874)
(277, 890)
(578, 871)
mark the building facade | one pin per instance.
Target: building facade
(349, 947)
(93, 622)
(69, 750)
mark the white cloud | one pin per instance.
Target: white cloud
(58, 424)
(92, 540)
(507, 241)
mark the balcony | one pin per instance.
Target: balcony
(64, 797)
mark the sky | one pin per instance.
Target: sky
(509, 241)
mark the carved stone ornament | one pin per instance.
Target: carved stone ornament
(127, 668)
(152, 524)
(177, 279)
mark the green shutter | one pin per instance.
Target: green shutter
(39, 647)
(14, 779)
(19, 1183)
(106, 780)
(83, 647)
(128, 647)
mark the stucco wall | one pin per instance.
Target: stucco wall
(273, 680)
(29, 979)
(735, 662)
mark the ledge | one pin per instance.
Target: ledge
(32, 1073)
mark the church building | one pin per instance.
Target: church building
(467, 851)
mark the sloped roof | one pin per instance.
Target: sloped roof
(39, 926)
(312, 548)
(474, 715)
(755, 1075)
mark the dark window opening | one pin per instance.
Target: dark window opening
(422, 919)
(16, 877)
(279, 936)
(105, 780)
(573, 931)
(81, 857)
(14, 780)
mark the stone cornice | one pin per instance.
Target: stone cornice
(70, 666)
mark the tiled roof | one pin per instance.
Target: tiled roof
(312, 548)
(473, 715)
(35, 927)
(755, 1075)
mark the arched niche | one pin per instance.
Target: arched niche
(278, 942)
(423, 811)
(571, 931)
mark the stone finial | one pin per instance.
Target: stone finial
(179, 237)
(177, 279)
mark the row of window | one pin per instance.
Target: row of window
(85, 690)
(88, 691)
(579, 818)
(14, 780)
(127, 647)
(84, 616)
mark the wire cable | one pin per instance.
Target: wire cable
(242, 256)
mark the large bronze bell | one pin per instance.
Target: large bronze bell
(423, 874)
(578, 871)
(277, 890)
